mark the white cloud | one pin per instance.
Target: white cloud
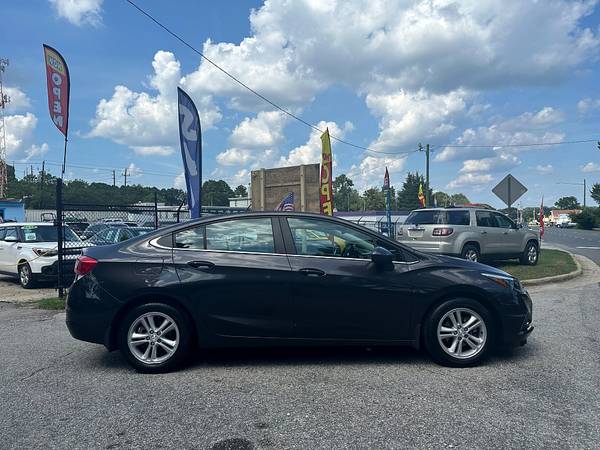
(408, 117)
(35, 151)
(506, 135)
(158, 150)
(470, 179)
(310, 152)
(133, 171)
(145, 122)
(371, 170)
(234, 157)
(18, 99)
(544, 169)
(265, 130)
(498, 163)
(19, 130)
(79, 12)
(179, 181)
(591, 167)
(587, 104)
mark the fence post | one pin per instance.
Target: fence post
(59, 236)
(155, 211)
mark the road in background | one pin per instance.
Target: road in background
(581, 242)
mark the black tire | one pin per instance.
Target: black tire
(530, 255)
(440, 348)
(26, 277)
(471, 252)
(183, 334)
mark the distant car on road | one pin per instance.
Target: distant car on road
(112, 235)
(470, 233)
(564, 221)
(287, 278)
(29, 251)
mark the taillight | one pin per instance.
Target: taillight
(443, 231)
(84, 265)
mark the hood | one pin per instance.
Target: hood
(44, 245)
(464, 264)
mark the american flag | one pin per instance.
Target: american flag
(287, 204)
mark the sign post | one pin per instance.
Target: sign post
(509, 190)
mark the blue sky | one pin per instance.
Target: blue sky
(382, 74)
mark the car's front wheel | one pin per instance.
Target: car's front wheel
(26, 276)
(530, 254)
(155, 337)
(458, 332)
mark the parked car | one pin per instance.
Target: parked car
(564, 221)
(112, 235)
(29, 251)
(96, 228)
(258, 279)
(470, 233)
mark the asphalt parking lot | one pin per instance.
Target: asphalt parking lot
(60, 393)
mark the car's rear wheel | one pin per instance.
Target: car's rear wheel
(470, 252)
(531, 254)
(155, 337)
(26, 276)
(458, 332)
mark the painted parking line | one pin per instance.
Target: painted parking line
(590, 248)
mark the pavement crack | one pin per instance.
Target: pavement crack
(41, 369)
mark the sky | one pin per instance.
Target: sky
(384, 75)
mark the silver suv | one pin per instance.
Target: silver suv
(470, 233)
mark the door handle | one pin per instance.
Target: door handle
(484, 232)
(312, 272)
(201, 264)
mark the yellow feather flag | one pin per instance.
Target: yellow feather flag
(421, 196)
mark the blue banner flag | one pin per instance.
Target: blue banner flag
(190, 137)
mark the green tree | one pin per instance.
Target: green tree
(374, 199)
(345, 197)
(408, 197)
(459, 199)
(567, 203)
(216, 193)
(240, 191)
(595, 191)
(587, 219)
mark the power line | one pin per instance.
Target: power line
(533, 144)
(258, 94)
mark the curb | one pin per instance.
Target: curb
(557, 278)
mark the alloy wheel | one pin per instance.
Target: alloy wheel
(471, 255)
(532, 254)
(24, 275)
(153, 338)
(462, 333)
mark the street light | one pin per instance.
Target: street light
(578, 184)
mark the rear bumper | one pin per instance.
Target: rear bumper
(90, 311)
(436, 247)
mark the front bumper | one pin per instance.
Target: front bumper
(517, 327)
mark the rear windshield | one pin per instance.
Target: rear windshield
(46, 233)
(438, 217)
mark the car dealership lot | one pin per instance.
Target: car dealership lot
(61, 393)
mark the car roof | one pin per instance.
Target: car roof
(20, 224)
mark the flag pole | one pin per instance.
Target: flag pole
(62, 173)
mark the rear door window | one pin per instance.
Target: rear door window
(431, 217)
(458, 217)
(485, 219)
(241, 235)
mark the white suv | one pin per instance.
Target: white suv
(29, 251)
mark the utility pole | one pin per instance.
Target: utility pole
(125, 175)
(4, 100)
(42, 184)
(584, 192)
(114, 179)
(427, 199)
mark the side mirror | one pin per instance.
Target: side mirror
(10, 239)
(382, 257)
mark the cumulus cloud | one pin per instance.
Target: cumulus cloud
(470, 179)
(264, 130)
(372, 168)
(591, 167)
(149, 123)
(506, 134)
(586, 105)
(19, 101)
(544, 169)
(234, 157)
(79, 12)
(310, 152)
(498, 163)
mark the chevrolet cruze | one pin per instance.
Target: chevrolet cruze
(261, 279)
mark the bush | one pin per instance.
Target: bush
(588, 218)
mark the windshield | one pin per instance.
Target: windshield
(46, 233)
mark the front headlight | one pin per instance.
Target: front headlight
(45, 251)
(504, 281)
